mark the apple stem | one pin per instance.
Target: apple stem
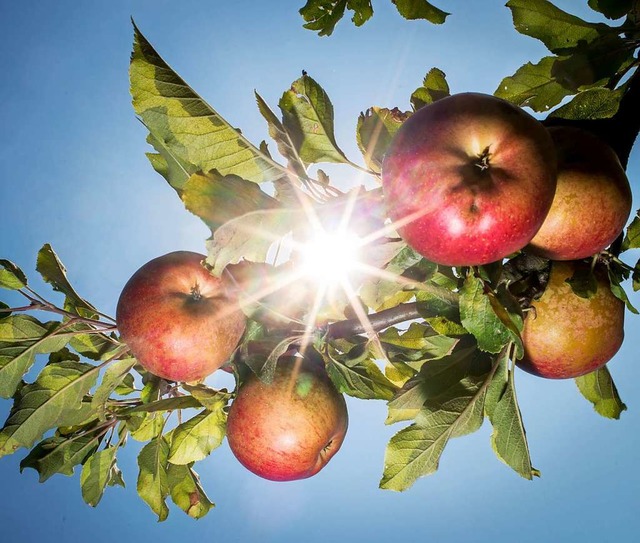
(483, 159)
(195, 292)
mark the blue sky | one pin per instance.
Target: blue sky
(73, 173)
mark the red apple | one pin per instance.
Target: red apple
(592, 201)
(180, 322)
(288, 429)
(469, 179)
(565, 335)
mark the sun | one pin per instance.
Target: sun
(330, 258)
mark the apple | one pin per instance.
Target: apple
(288, 429)
(469, 179)
(592, 200)
(565, 335)
(179, 321)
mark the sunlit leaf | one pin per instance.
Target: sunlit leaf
(376, 127)
(632, 235)
(217, 199)
(53, 400)
(420, 338)
(452, 408)
(11, 276)
(194, 439)
(434, 87)
(153, 485)
(207, 396)
(99, 471)
(187, 492)
(362, 380)
(22, 337)
(186, 130)
(557, 29)
(508, 439)
(113, 376)
(53, 272)
(478, 316)
(533, 85)
(248, 237)
(598, 103)
(60, 454)
(598, 387)
(308, 119)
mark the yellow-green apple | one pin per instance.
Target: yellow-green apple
(469, 179)
(592, 201)
(565, 335)
(180, 322)
(290, 428)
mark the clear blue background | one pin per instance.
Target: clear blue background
(73, 173)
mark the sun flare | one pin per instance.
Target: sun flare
(329, 258)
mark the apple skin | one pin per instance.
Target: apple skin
(565, 335)
(478, 175)
(288, 429)
(179, 321)
(592, 201)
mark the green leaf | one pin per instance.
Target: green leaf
(185, 127)
(145, 426)
(22, 337)
(451, 408)
(207, 396)
(478, 316)
(53, 272)
(187, 492)
(112, 378)
(248, 237)
(60, 454)
(153, 484)
(591, 104)
(612, 9)
(378, 293)
(434, 87)
(55, 399)
(433, 380)
(362, 380)
(168, 165)
(617, 274)
(558, 30)
(420, 9)
(598, 387)
(420, 338)
(11, 276)
(95, 346)
(632, 236)
(508, 438)
(533, 85)
(323, 15)
(99, 471)
(217, 199)
(194, 439)
(308, 119)
(375, 130)
(286, 146)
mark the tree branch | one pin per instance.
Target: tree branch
(379, 321)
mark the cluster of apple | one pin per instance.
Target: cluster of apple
(468, 180)
(472, 179)
(182, 324)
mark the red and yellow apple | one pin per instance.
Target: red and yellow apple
(592, 200)
(179, 321)
(469, 179)
(565, 335)
(290, 428)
